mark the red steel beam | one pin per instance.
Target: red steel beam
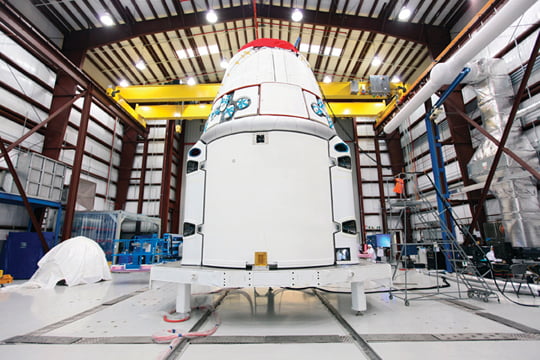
(393, 144)
(127, 155)
(166, 176)
(436, 38)
(64, 90)
(382, 195)
(356, 149)
(484, 132)
(175, 221)
(77, 165)
(142, 179)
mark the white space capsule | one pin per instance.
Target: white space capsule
(269, 182)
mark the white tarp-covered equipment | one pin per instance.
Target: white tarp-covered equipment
(78, 260)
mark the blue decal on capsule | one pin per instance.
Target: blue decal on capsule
(229, 112)
(317, 109)
(243, 103)
(320, 110)
(227, 108)
(224, 102)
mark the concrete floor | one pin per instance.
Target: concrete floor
(115, 319)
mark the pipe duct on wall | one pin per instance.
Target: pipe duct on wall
(444, 73)
(513, 186)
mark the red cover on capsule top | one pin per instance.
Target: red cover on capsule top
(265, 42)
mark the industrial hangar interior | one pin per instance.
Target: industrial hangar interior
(186, 179)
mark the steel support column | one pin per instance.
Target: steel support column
(461, 138)
(393, 144)
(508, 127)
(439, 178)
(362, 220)
(437, 164)
(175, 220)
(142, 178)
(77, 165)
(165, 202)
(382, 194)
(64, 90)
(127, 155)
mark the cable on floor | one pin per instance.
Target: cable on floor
(502, 292)
(446, 284)
(174, 336)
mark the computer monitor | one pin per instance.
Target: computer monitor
(384, 240)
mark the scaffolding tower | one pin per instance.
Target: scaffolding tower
(458, 267)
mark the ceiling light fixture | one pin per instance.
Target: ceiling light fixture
(395, 79)
(191, 81)
(184, 54)
(140, 65)
(224, 63)
(123, 83)
(106, 19)
(376, 61)
(327, 79)
(297, 15)
(404, 14)
(211, 16)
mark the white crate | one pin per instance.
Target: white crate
(40, 176)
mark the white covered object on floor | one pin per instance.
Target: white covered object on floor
(78, 260)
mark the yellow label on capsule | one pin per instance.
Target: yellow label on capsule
(261, 258)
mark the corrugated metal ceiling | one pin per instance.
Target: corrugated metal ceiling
(174, 40)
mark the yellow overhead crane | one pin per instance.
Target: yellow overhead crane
(153, 101)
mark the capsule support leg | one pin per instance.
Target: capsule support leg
(358, 296)
(183, 299)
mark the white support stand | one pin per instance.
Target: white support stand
(358, 296)
(356, 275)
(183, 299)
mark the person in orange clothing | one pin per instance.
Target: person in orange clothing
(399, 187)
